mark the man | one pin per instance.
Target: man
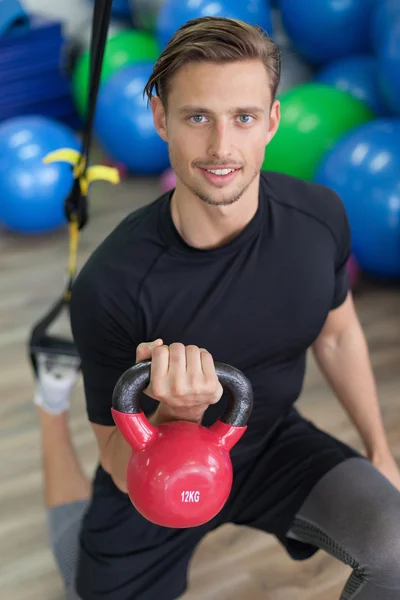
(242, 268)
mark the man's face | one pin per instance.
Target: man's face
(218, 117)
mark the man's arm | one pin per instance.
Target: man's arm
(115, 450)
(342, 354)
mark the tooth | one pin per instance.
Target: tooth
(221, 171)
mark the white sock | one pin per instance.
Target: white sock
(57, 376)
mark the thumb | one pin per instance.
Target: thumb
(145, 349)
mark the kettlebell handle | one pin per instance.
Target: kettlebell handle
(240, 393)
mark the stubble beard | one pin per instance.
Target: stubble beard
(208, 199)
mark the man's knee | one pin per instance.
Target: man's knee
(64, 524)
(379, 558)
(360, 511)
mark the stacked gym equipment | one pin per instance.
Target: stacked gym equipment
(32, 78)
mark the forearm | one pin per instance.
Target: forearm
(118, 451)
(345, 362)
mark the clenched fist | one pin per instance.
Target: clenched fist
(183, 379)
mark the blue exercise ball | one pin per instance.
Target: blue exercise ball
(32, 193)
(357, 75)
(389, 68)
(364, 169)
(124, 123)
(120, 8)
(324, 30)
(385, 13)
(174, 13)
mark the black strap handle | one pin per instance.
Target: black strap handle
(100, 25)
(76, 204)
(240, 393)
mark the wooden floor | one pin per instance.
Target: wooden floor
(254, 566)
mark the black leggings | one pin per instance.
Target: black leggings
(353, 513)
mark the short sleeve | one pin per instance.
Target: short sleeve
(343, 252)
(105, 347)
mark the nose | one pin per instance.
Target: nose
(220, 143)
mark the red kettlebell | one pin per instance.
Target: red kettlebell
(180, 473)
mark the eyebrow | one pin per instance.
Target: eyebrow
(188, 109)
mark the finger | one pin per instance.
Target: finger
(209, 372)
(194, 369)
(207, 364)
(145, 349)
(159, 370)
(177, 369)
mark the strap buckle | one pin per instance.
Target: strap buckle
(76, 205)
(42, 343)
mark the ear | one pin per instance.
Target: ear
(159, 118)
(274, 119)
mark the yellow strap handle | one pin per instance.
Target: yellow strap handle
(86, 177)
(73, 252)
(94, 173)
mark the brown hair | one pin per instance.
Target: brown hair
(213, 39)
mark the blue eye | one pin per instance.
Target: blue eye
(244, 119)
(246, 116)
(197, 117)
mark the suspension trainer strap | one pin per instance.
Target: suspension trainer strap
(76, 204)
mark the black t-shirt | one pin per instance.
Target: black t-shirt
(257, 303)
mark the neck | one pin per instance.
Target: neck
(207, 227)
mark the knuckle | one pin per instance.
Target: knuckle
(176, 352)
(160, 351)
(217, 391)
(141, 349)
(178, 390)
(158, 389)
(192, 348)
(202, 389)
(207, 389)
(211, 380)
(195, 383)
(177, 346)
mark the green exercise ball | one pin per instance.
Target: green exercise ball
(127, 47)
(313, 118)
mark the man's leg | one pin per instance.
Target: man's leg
(353, 513)
(66, 494)
(312, 491)
(66, 489)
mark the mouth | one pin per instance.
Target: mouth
(220, 176)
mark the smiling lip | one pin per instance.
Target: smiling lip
(220, 168)
(219, 180)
